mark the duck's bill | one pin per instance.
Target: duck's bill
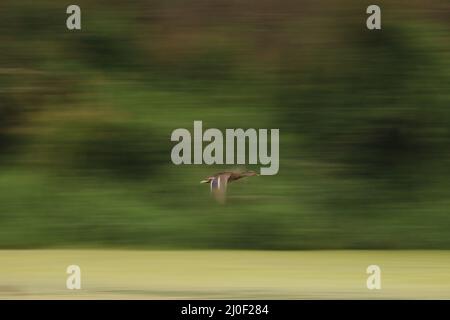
(204, 181)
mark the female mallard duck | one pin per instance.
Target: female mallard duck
(218, 182)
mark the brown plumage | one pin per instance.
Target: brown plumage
(219, 182)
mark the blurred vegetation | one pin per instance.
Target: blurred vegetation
(86, 117)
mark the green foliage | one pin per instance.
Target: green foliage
(86, 117)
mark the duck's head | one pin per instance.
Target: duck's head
(207, 180)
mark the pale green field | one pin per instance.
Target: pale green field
(121, 274)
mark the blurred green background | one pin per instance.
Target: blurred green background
(86, 118)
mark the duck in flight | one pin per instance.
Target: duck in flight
(219, 182)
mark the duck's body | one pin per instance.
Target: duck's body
(219, 182)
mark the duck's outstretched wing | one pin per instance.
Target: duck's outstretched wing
(219, 187)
